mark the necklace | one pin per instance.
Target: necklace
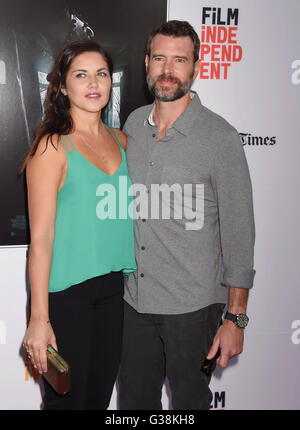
(102, 157)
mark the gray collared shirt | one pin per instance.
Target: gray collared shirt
(189, 259)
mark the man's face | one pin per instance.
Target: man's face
(170, 67)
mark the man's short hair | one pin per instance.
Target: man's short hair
(176, 29)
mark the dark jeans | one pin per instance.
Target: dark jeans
(87, 320)
(156, 346)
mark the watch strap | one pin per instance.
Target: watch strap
(231, 317)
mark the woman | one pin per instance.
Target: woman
(77, 258)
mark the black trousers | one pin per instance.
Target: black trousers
(87, 320)
(173, 346)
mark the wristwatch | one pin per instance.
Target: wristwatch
(240, 320)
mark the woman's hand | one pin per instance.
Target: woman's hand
(36, 340)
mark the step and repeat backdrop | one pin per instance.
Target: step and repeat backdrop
(250, 75)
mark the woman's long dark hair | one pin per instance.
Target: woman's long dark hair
(57, 118)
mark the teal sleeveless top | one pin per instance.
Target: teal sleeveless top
(93, 229)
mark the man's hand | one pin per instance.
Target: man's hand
(230, 339)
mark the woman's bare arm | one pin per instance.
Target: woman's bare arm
(45, 174)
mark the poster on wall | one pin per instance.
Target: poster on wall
(29, 43)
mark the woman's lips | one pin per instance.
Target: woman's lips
(93, 96)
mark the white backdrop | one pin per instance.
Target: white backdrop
(259, 95)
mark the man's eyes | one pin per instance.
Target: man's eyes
(177, 60)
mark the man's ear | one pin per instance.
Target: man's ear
(147, 62)
(196, 68)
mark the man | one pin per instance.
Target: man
(187, 271)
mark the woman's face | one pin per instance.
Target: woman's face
(88, 83)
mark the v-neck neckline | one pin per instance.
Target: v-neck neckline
(92, 164)
(97, 168)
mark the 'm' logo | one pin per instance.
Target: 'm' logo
(218, 401)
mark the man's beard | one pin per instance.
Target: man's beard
(166, 94)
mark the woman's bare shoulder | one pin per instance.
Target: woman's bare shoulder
(49, 152)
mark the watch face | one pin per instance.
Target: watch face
(242, 320)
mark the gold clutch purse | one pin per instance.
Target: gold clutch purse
(58, 373)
